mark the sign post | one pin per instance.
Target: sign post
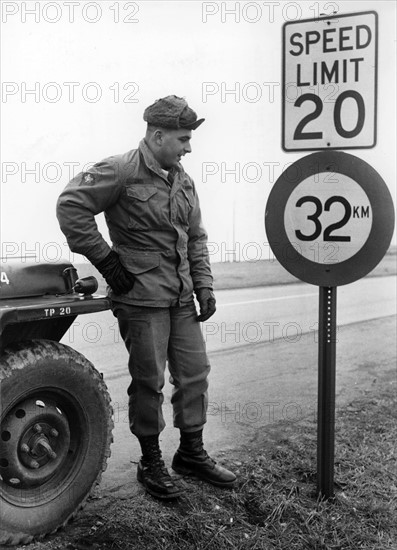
(326, 391)
(329, 221)
(329, 217)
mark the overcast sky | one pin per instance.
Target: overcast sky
(77, 76)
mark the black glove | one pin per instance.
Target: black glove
(117, 277)
(206, 299)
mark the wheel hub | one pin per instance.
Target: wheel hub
(35, 440)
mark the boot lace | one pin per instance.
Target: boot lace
(154, 463)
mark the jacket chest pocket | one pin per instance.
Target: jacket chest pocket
(185, 201)
(142, 206)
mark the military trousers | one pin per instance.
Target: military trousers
(152, 336)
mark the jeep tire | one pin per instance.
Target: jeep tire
(56, 424)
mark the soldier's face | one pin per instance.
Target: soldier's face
(173, 145)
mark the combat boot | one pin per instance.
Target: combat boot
(152, 472)
(192, 459)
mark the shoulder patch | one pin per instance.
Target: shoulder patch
(87, 179)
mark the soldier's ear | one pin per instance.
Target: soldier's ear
(158, 137)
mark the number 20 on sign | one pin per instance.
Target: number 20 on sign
(330, 82)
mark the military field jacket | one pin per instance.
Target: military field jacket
(155, 227)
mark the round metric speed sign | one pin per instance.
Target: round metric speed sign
(329, 218)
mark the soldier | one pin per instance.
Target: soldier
(158, 258)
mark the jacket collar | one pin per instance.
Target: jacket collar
(152, 163)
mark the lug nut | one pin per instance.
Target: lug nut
(25, 448)
(54, 432)
(34, 464)
(37, 428)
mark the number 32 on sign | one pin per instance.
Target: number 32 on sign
(330, 82)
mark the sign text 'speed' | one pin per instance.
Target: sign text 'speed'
(332, 39)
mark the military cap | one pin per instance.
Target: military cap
(172, 112)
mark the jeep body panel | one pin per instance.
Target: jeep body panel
(39, 300)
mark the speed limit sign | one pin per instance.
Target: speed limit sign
(330, 82)
(329, 218)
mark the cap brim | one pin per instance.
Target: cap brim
(194, 125)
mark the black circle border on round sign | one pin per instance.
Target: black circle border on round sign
(379, 238)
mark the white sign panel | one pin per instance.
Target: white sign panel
(330, 82)
(328, 218)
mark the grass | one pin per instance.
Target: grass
(228, 275)
(274, 506)
(266, 272)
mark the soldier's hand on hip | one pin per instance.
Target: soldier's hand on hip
(115, 274)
